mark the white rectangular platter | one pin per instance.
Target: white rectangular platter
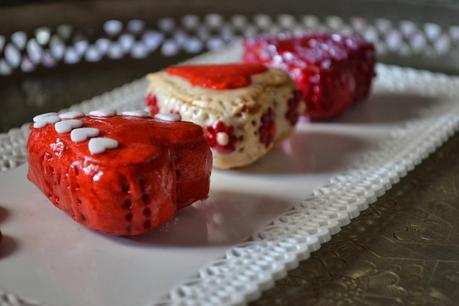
(258, 221)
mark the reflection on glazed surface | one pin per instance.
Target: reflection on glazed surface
(225, 218)
(310, 151)
(388, 108)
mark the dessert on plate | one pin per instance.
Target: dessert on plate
(333, 71)
(122, 174)
(243, 108)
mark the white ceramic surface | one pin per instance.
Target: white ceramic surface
(338, 167)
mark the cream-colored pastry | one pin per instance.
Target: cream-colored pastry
(243, 108)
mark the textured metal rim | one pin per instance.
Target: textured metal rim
(190, 34)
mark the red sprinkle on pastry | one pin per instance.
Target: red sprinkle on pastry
(227, 76)
(122, 175)
(267, 128)
(292, 114)
(221, 137)
(333, 71)
(152, 103)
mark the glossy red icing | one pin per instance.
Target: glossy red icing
(218, 76)
(159, 167)
(333, 71)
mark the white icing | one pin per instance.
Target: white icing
(168, 117)
(81, 134)
(41, 122)
(39, 117)
(71, 115)
(101, 144)
(67, 125)
(222, 138)
(103, 113)
(136, 113)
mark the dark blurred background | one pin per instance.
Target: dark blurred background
(57, 53)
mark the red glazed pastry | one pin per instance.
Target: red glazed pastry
(243, 108)
(331, 70)
(120, 174)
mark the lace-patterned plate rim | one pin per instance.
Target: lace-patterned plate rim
(251, 267)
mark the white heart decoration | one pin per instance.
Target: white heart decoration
(168, 117)
(71, 115)
(39, 117)
(41, 122)
(136, 113)
(103, 113)
(101, 144)
(81, 134)
(67, 125)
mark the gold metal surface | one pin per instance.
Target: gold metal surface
(403, 250)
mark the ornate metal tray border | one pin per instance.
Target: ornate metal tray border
(402, 41)
(251, 267)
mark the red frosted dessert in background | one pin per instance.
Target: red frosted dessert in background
(333, 71)
(120, 174)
